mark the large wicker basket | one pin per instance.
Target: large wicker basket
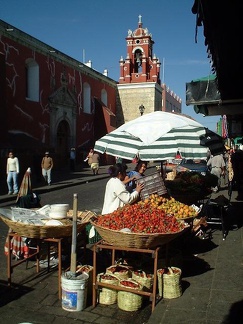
(134, 240)
(48, 231)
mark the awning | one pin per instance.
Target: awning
(202, 91)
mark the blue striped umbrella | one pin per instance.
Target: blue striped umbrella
(154, 137)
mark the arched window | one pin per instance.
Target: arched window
(104, 96)
(87, 98)
(32, 80)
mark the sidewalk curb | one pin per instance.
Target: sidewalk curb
(62, 184)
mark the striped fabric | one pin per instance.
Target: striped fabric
(18, 246)
(18, 243)
(25, 187)
(124, 144)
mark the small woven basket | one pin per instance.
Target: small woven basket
(107, 296)
(160, 273)
(120, 271)
(172, 283)
(129, 301)
(47, 231)
(134, 240)
(89, 270)
(145, 279)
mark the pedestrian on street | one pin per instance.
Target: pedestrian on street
(72, 159)
(46, 166)
(217, 167)
(89, 157)
(95, 163)
(12, 170)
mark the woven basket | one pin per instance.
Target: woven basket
(134, 240)
(47, 231)
(129, 301)
(172, 283)
(119, 271)
(89, 270)
(107, 296)
(160, 273)
(146, 280)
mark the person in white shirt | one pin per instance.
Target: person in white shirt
(217, 166)
(12, 171)
(116, 194)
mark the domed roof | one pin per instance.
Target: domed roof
(140, 31)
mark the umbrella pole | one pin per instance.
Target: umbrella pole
(162, 168)
(74, 236)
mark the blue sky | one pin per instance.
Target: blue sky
(96, 30)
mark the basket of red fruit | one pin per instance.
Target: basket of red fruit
(129, 301)
(138, 226)
(120, 271)
(107, 296)
(169, 282)
(145, 279)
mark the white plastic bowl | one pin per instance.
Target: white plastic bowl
(58, 211)
(58, 207)
(57, 215)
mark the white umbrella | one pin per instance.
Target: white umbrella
(155, 136)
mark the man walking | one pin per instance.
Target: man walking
(216, 164)
(46, 166)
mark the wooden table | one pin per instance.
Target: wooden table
(154, 255)
(36, 253)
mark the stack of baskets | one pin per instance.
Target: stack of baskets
(169, 282)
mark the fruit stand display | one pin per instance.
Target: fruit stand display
(189, 187)
(141, 228)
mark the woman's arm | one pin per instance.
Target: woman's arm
(127, 179)
(126, 197)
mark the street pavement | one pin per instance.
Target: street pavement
(212, 273)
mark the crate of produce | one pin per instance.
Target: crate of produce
(153, 183)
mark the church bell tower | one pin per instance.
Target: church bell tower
(139, 82)
(140, 65)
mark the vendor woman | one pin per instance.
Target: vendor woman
(116, 194)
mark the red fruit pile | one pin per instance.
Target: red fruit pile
(140, 219)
